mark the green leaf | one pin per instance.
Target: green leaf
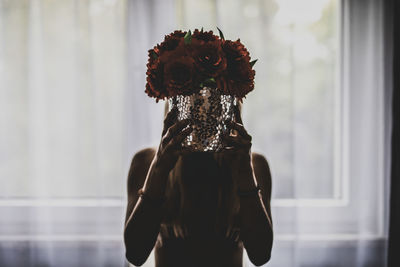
(209, 81)
(221, 34)
(188, 37)
(253, 62)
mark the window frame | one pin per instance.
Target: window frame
(283, 209)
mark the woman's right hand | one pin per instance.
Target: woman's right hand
(170, 146)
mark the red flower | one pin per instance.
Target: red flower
(208, 56)
(243, 83)
(205, 36)
(239, 73)
(178, 76)
(155, 80)
(235, 50)
(171, 41)
(157, 58)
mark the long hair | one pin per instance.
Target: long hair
(201, 184)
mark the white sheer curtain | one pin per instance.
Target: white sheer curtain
(73, 112)
(319, 114)
(62, 80)
(148, 23)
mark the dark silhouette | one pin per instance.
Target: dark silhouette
(392, 31)
(198, 208)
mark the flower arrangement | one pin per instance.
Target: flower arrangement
(184, 63)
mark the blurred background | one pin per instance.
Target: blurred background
(73, 112)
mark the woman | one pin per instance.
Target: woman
(198, 208)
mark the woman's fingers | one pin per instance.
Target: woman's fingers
(181, 136)
(240, 128)
(174, 129)
(238, 117)
(177, 139)
(169, 119)
(236, 141)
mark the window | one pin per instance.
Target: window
(73, 112)
(318, 114)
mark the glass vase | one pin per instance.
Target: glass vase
(207, 111)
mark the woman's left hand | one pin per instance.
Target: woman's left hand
(239, 150)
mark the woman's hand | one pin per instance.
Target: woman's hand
(170, 146)
(239, 144)
(238, 154)
(255, 223)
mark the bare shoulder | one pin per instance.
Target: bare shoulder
(258, 157)
(139, 166)
(259, 162)
(262, 172)
(264, 180)
(144, 155)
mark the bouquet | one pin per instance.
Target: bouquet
(204, 76)
(184, 63)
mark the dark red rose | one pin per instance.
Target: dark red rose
(171, 41)
(155, 80)
(152, 58)
(241, 84)
(235, 50)
(204, 36)
(169, 56)
(208, 56)
(239, 78)
(239, 75)
(179, 76)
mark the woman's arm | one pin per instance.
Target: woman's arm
(144, 215)
(142, 222)
(264, 179)
(140, 165)
(256, 224)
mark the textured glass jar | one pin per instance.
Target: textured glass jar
(207, 111)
